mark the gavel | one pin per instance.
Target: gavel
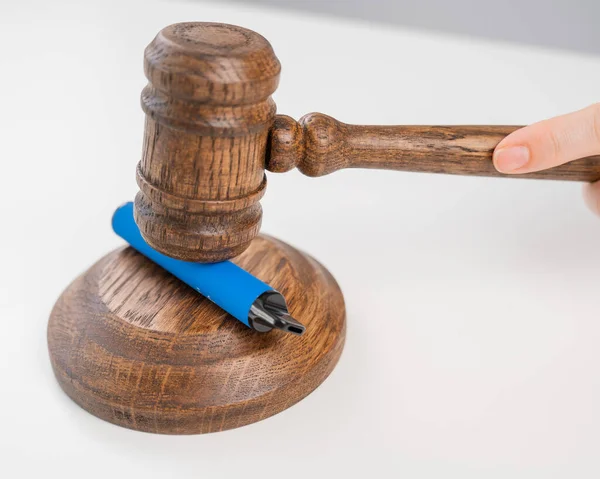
(212, 130)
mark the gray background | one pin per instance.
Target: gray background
(472, 347)
(568, 24)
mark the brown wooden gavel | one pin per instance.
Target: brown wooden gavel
(211, 131)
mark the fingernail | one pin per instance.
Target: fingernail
(507, 160)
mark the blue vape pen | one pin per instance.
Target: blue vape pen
(241, 294)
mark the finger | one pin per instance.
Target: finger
(591, 194)
(550, 142)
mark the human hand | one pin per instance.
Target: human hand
(551, 143)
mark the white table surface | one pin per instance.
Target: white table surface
(472, 303)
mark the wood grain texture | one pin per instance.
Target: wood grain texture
(134, 346)
(318, 145)
(211, 131)
(208, 112)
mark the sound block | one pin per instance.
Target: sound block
(134, 346)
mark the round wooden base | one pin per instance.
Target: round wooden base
(133, 345)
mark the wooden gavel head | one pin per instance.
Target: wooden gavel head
(208, 113)
(211, 131)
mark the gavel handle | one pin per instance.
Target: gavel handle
(319, 144)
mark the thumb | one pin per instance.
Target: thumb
(591, 194)
(550, 142)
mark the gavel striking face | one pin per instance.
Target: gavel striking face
(211, 131)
